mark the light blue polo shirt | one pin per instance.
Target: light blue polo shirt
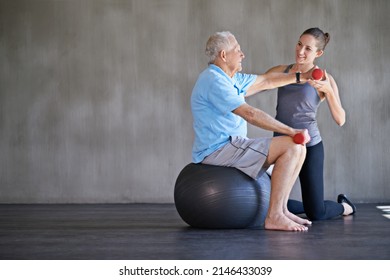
(214, 97)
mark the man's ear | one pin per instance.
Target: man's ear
(222, 55)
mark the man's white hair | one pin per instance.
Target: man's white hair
(217, 42)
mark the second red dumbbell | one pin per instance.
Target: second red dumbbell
(301, 137)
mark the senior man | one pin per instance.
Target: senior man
(220, 117)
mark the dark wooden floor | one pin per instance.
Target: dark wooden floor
(155, 231)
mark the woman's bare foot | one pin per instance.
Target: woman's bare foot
(282, 222)
(297, 219)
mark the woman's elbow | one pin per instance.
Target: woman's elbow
(340, 121)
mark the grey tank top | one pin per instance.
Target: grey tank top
(297, 107)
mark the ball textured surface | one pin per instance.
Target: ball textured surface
(218, 197)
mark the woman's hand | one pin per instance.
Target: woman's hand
(324, 86)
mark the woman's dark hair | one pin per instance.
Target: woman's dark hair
(321, 37)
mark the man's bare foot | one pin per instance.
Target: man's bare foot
(297, 219)
(282, 222)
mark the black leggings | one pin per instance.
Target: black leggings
(312, 187)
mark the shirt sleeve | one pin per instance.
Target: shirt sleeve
(244, 81)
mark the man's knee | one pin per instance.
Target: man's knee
(299, 150)
(295, 151)
(284, 146)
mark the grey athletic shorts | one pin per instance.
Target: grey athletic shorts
(247, 155)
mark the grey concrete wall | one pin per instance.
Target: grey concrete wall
(94, 94)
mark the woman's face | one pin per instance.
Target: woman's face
(306, 50)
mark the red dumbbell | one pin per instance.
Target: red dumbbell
(317, 74)
(301, 137)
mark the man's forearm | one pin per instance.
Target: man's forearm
(271, 81)
(261, 119)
